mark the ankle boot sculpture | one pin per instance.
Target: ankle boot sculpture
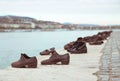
(69, 45)
(97, 40)
(55, 58)
(25, 62)
(78, 47)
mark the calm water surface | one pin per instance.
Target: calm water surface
(14, 43)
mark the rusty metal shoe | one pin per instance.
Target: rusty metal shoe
(25, 62)
(69, 45)
(55, 58)
(96, 43)
(78, 49)
(46, 52)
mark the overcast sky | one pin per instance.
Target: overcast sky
(76, 11)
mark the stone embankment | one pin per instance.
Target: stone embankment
(109, 69)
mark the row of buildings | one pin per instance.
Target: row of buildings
(16, 22)
(89, 27)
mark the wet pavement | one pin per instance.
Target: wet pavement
(109, 69)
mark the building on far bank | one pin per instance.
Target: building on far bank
(17, 22)
(17, 25)
(48, 25)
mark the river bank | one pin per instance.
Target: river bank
(81, 68)
(31, 43)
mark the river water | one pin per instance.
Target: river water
(12, 44)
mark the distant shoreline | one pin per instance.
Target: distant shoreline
(32, 30)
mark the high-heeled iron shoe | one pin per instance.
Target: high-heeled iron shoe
(25, 62)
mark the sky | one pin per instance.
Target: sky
(102, 12)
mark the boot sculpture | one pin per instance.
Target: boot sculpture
(98, 40)
(55, 58)
(25, 62)
(96, 43)
(69, 45)
(78, 47)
